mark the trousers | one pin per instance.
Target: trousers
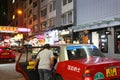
(44, 74)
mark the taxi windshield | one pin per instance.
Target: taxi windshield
(75, 52)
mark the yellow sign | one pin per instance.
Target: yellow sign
(8, 29)
(111, 72)
(30, 65)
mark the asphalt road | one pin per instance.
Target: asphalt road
(7, 72)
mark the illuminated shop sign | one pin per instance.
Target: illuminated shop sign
(40, 36)
(64, 32)
(8, 29)
(24, 29)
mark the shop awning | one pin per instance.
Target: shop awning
(95, 26)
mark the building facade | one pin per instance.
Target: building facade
(95, 21)
(15, 13)
(101, 18)
(49, 17)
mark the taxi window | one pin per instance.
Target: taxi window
(29, 53)
(75, 52)
(95, 52)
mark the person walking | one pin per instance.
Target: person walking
(45, 61)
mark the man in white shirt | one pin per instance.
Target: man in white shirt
(45, 60)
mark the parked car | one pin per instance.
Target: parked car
(7, 53)
(76, 62)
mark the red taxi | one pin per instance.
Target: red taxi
(7, 53)
(75, 62)
(86, 62)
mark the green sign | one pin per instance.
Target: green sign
(99, 76)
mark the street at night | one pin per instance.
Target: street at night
(7, 72)
(83, 36)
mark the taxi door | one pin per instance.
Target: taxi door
(25, 64)
(26, 60)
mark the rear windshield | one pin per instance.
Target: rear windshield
(75, 52)
(5, 48)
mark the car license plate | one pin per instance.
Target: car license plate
(111, 72)
(5, 53)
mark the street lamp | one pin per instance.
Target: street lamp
(19, 12)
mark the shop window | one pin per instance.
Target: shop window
(103, 43)
(117, 42)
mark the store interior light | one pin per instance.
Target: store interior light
(107, 32)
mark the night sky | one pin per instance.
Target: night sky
(3, 12)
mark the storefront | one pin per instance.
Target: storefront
(97, 37)
(41, 39)
(117, 40)
(51, 37)
(107, 39)
(65, 35)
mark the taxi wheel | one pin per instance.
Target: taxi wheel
(58, 77)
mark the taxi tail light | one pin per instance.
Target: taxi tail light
(87, 75)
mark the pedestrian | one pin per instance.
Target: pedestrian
(45, 60)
